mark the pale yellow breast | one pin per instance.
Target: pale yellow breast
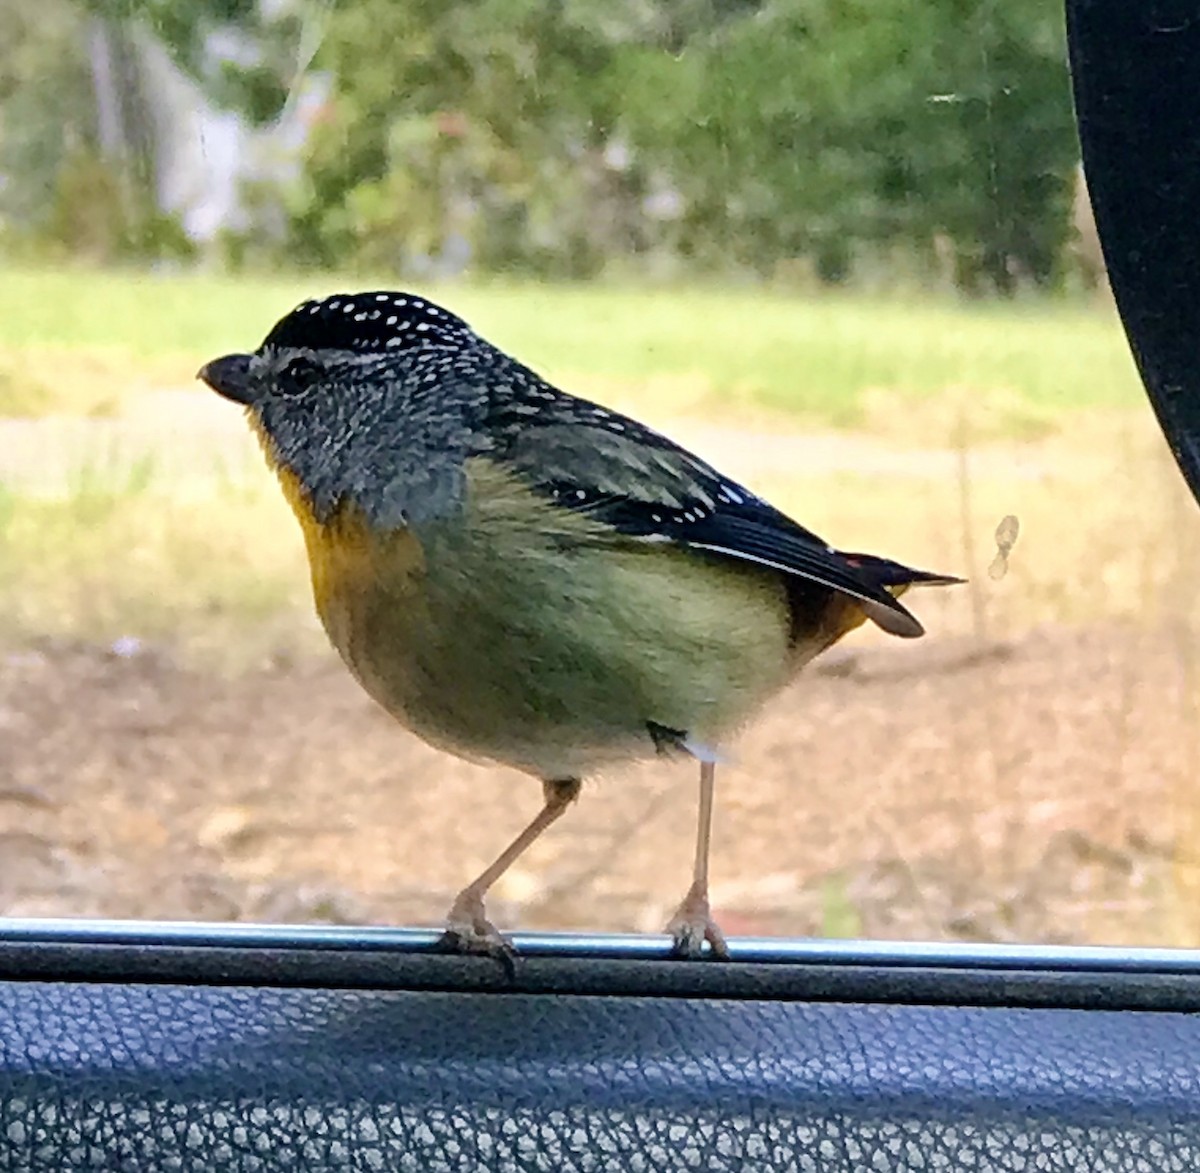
(527, 634)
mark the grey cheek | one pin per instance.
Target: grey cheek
(431, 494)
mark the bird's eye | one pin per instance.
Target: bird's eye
(296, 376)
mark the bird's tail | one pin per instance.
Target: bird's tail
(892, 575)
(895, 578)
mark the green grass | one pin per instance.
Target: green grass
(690, 349)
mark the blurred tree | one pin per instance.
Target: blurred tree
(993, 157)
(77, 129)
(828, 128)
(243, 53)
(481, 134)
(45, 102)
(558, 136)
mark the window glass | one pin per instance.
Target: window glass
(841, 250)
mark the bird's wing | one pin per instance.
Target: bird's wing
(627, 476)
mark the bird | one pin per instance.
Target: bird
(524, 577)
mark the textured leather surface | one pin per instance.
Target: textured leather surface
(164, 1077)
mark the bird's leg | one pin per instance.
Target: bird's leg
(692, 924)
(467, 928)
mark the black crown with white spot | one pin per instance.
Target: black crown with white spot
(378, 321)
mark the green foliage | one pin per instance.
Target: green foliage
(826, 138)
(63, 194)
(45, 101)
(829, 128)
(480, 135)
(91, 214)
(824, 131)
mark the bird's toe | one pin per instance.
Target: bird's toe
(691, 927)
(469, 931)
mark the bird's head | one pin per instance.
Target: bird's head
(353, 392)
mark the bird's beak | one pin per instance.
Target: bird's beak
(228, 376)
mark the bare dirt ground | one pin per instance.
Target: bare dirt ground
(1031, 784)
(1031, 790)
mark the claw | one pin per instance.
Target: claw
(497, 948)
(468, 931)
(691, 926)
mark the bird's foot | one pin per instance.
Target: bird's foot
(468, 930)
(692, 925)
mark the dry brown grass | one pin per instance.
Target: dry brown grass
(170, 523)
(78, 381)
(1026, 772)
